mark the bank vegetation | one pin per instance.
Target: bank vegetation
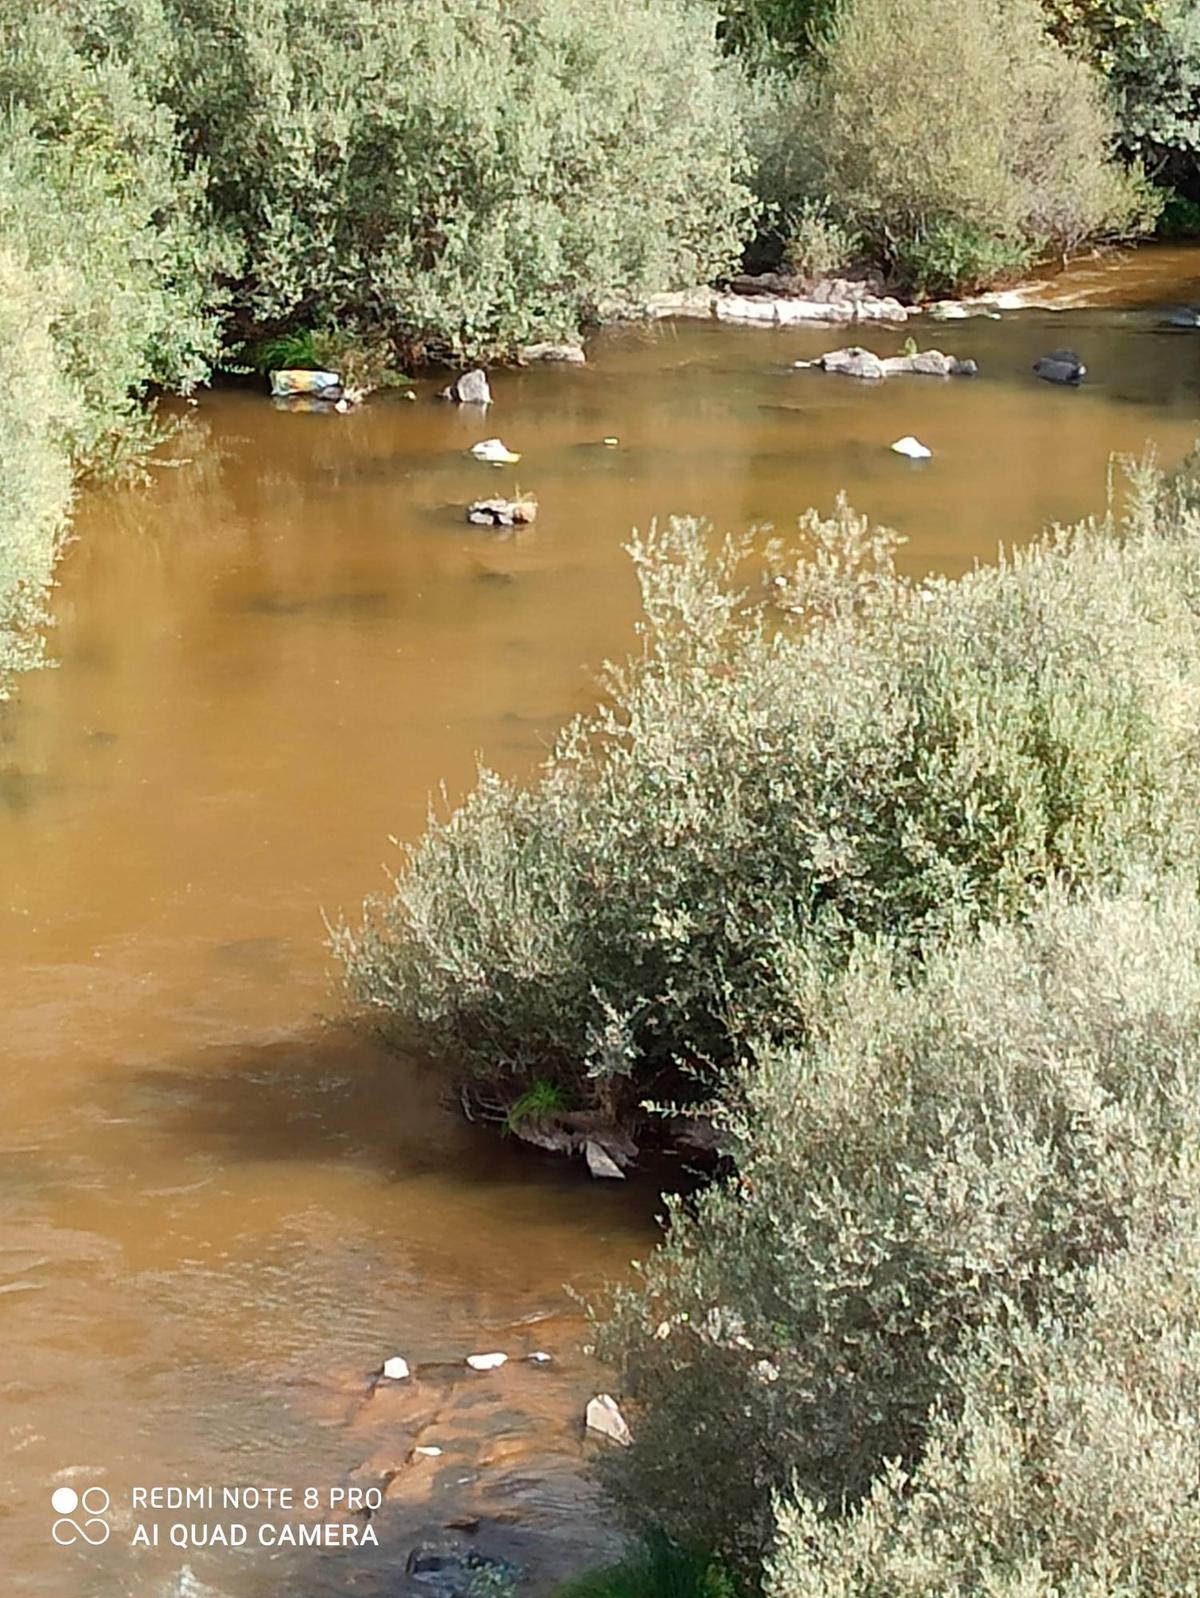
(895, 882)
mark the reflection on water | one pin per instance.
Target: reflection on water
(220, 1212)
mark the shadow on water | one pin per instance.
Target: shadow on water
(331, 1095)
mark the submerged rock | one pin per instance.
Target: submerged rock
(455, 1569)
(603, 1416)
(1061, 366)
(472, 388)
(503, 512)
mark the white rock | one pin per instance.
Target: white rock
(470, 389)
(539, 1357)
(495, 450)
(600, 1163)
(426, 1451)
(486, 1362)
(563, 354)
(789, 312)
(396, 1369)
(912, 448)
(603, 1416)
(699, 301)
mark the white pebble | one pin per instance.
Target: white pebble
(912, 447)
(396, 1369)
(486, 1362)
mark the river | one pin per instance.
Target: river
(221, 1210)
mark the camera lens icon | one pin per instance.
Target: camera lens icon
(88, 1507)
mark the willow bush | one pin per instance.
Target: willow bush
(920, 1312)
(467, 176)
(105, 289)
(1066, 1467)
(762, 789)
(959, 141)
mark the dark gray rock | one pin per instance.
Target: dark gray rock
(1061, 366)
(449, 1570)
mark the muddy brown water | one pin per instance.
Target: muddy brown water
(218, 1212)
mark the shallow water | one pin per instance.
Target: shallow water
(219, 1211)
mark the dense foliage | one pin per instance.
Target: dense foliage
(946, 1308)
(470, 176)
(106, 273)
(901, 759)
(977, 148)
(1065, 1467)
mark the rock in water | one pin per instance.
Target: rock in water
(603, 1416)
(503, 512)
(600, 1162)
(486, 1362)
(854, 362)
(471, 388)
(929, 363)
(1061, 366)
(296, 381)
(496, 451)
(562, 354)
(912, 448)
(396, 1369)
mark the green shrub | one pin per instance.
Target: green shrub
(656, 1568)
(1066, 1468)
(772, 32)
(95, 201)
(38, 409)
(464, 177)
(909, 1246)
(1149, 51)
(818, 245)
(1156, 89)
(898, 759)
(957, 138)
(950, 257)
(1179, 218)
(105, 275)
